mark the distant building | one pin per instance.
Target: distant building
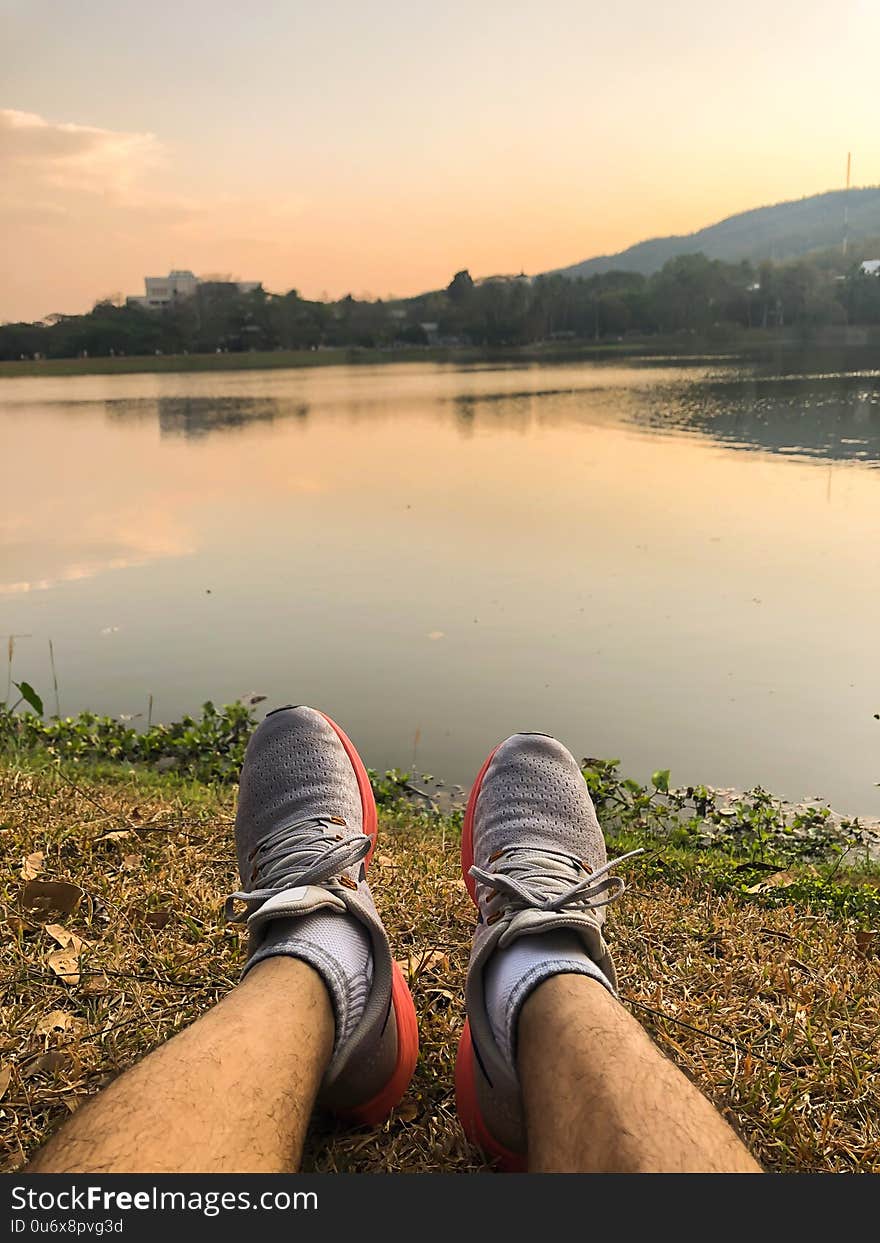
(519, 279)
(871, 267)
(162, 291)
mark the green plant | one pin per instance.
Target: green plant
(753, 826)
(209, 747)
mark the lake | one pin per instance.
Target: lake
(676, 565)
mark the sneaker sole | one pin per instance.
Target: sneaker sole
(467, 1102)
(375, 1110)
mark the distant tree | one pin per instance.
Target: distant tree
(861, 297)
(690, 292)
(461, 286)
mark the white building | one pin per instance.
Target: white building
(871, 267)
(161, 291)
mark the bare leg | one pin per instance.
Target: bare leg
(233, 1093)
(600, 1096)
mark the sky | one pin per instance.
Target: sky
(378, 148)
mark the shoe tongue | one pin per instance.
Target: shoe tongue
(301, 900)
(531, 923)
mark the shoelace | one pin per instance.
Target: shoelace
(297, 853)
(542, 880)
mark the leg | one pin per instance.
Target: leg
(552, 1072)
(600, 1097)
(322, 1004)
(233, 1093)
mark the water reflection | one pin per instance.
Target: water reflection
(824, 417)
(827, 417)
(194, 417)
(447, 555)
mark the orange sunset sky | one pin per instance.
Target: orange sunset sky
(376, 148)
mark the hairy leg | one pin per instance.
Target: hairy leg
(600, 1096)
(232, 1093)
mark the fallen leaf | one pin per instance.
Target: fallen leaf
(57, 1021)
(19, 926)
(95, 984)
(429, 960)
(157, 917)
(118, 835)
(5, 1076)
(443, 992)
(867, 940)
(130, 862)
(65, 938)
(32, 865)
(48, 1063)
(782, 880)
(434, 960)
(51, 895)
(60, 934)
(65, 963)
(407, 1110)
(384, 860)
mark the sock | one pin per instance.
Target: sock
(338, 947)
(512, 973)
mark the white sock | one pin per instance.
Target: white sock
(338, 946)
(512, 973)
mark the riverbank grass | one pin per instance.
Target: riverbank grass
(760, 981)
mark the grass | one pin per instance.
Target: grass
(683, 345)
(243, 361)
(761, 985)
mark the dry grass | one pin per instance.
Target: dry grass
(792, 993)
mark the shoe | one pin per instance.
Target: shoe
(305, 832)
(534, 862)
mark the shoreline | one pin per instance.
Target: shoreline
(209, 749)
(837, 346)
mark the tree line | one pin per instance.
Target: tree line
(690, 294)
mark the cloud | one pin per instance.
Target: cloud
(66, 156)
(46, 165)
(94, 209)
(38, 555)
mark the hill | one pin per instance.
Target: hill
(783, 231)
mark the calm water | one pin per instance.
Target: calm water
(674, 565)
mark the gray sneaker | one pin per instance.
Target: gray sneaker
(533, 859)
(305, 832)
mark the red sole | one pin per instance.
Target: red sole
(466, 1099)
(368, 803)
(374, 1111)
(467, 829)
(469, 1115)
